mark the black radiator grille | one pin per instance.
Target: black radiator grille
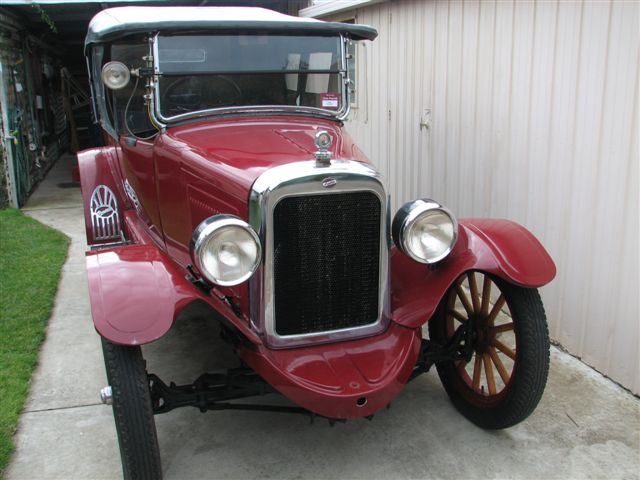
(326, 262)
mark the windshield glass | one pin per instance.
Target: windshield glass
(207, 72)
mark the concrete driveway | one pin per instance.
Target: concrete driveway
(585, 426)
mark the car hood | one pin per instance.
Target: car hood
(241, 149)
(207, 168)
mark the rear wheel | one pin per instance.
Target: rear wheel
(503, 372)
(132, 412)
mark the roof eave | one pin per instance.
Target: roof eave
(332, 7)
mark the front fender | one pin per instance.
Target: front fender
(500, 247)
(137, 292)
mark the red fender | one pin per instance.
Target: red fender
(500, 247)
(99, 169)
(137, 292)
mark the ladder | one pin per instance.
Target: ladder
(77, 106)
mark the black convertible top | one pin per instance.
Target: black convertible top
(113, 23)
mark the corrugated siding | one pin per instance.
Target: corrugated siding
(534, 117)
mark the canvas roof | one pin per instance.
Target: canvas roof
(114, 23)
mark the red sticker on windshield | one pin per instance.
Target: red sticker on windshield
(330, 101)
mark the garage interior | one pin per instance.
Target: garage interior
(44, 93)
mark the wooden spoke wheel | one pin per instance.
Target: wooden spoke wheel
(501, 372)
(482, 308)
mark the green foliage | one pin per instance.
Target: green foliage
(4, 195)
(45, 17)
(31, 257)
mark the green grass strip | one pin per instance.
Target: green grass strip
(31, 257)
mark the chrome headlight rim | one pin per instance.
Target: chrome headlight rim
(118, 68)
(405, 218)
(212, 226)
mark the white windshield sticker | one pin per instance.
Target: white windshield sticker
(330, 100)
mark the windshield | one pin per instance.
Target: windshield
(197, 73)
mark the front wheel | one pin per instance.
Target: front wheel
(132, 412)
(502, 372)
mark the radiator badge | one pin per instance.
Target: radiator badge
(329, 182)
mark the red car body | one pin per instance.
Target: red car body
(229, 181)
(193, 171)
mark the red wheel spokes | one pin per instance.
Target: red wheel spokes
(486, 296)
(495, 310)
(477, 370)
(506, 376)
(465, 301)
(457, 315)
(504, 349)
(502, 328)
(473, 288)
(488, 371)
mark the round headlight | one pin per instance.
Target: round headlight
(425, 231)
(225, 250)
(115, 75)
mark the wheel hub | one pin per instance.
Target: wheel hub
(482, 335)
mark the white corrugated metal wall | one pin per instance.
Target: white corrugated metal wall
(534, 117)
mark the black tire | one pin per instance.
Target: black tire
(517, 396)
(132, 412)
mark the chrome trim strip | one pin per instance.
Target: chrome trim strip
(250, 109)
(346, 95)
(131, 193)
(118, 243)
(299, 179)
(154, 90)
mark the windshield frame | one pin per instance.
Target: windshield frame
(253, 109)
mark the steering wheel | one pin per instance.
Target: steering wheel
(189, 94)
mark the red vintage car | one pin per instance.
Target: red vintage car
(229, 179)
